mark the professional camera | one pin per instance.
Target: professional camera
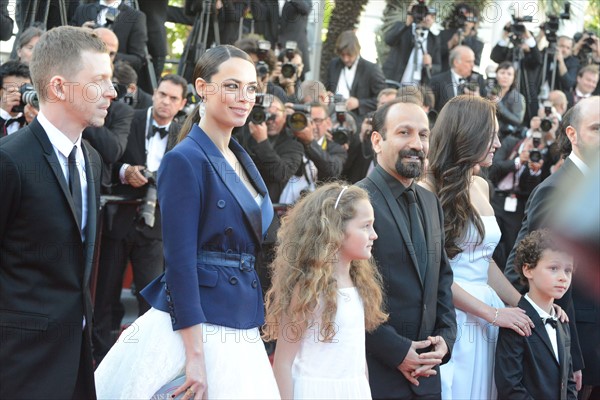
(288, 69)
(419, 11)
(260, 113)
(491, 85)
(459, 18)
(546, 124)
(586, 48)
(535, 155)
(517, 29)
(145, 216)
(122, 94)
(28, 96)
(340, 134)
(472, 82)
(298, 120)
(551, 26)
(262, 69)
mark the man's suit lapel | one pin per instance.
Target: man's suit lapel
(540, 329)
(335, 74)
(54, 164)
(360, 71)
(392, 203)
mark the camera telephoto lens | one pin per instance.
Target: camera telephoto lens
(288, 70)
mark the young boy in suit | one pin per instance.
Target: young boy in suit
(538, 366)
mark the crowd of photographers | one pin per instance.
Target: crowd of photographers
(302, 132)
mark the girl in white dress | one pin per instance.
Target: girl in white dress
(464, 138)
(325, 292)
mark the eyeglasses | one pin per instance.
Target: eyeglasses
(318, 121)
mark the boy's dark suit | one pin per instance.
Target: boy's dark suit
(44, 269)
(526, 367)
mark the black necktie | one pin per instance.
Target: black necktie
(155, 129)
(551, 321)
(75, 185)
(416, 231)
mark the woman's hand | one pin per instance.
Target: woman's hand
(195, 385)
(514, 318)
(560, 314)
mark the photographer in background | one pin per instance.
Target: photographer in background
(288, 71)
(587, 48)
(265, 62)
(133, 233)
(460, 28)
(271, 144)
(323, 158)
(128, 78)
(460, 79)
(14, 113)
(516, 170)
(414, 51)
(356, 79)
(586, 84)
(510, 104)
(518, 46)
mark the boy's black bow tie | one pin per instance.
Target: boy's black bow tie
(553, 322)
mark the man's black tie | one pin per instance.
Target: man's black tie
(75, 185)
(416, 231)
(551, 321)
(155, 129)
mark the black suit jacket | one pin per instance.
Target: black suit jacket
(538, 212)
(526, 367)
(277, 159)
(122, 218)
(418, 306)
(44, 267)
(400, 39)
(130, 28)
(443, 88)
(292, 26)
(367, 84)
(6, 22)
(110, 140)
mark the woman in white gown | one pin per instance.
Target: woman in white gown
(464, 138)
(207, 308)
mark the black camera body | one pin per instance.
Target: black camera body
(546, 124)
(288, 69)
(517, 29)
(260, 111)
(298, 120)
(458, 20)
(535, 155)
(146, 211)
(340, 133)
(419, 11)
(28, 96)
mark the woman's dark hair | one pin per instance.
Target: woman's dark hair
(208, 64)
(507, 65)
(461, 136)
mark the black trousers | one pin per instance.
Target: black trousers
(510, 224)
(146, 256)
(84, 386)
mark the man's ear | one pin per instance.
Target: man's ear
(572, 135)
(376, 140)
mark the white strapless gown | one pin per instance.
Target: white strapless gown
(469, 373)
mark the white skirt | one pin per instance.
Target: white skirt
(150, 354)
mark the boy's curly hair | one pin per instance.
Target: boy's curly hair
(530, 249)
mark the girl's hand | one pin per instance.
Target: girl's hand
(195, 386)
(560, 314)
(516, 319)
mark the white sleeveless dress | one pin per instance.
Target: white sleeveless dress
(337, 369)
(469, 373)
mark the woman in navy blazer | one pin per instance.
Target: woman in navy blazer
(215, 211)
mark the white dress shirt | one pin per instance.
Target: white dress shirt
(101, 19)
(12, 128)
(410, 75)
(549, 329)
(62, 147)
(346, 79)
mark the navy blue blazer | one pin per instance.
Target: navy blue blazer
(212, 232)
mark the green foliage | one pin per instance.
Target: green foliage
(176, 36)
(592, 17)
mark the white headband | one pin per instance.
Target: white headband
(344, 188)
